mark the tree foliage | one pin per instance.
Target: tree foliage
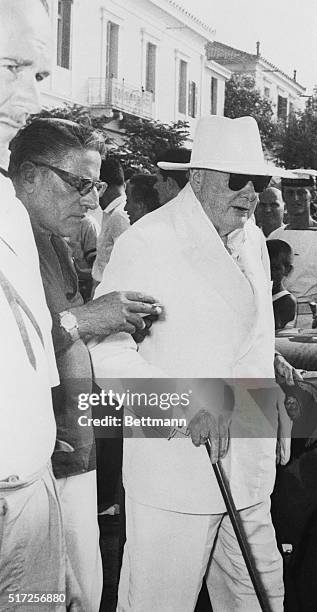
(142, 140)
(242, 98)
(297, 146)
(146, 139)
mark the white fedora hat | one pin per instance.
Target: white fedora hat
(227, 145)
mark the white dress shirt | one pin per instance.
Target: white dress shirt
(115, 220)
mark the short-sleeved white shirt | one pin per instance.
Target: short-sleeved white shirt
(303, 279)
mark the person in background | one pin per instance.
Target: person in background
(84, 250)
(281, 261)
(170, 182)
(269, 212)
(114, 219)
(55, 166)
(142, 197)
(300, 233)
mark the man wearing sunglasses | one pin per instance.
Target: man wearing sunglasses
(55, 167)
(207, 260)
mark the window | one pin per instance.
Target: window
(282, 108)
(267, 92)
(64, 14)
(192, 99)
(213, 95)
(182, 86)
(150, 68)
(112, 50)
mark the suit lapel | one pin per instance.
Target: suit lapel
(204, 249)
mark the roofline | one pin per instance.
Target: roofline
(278, 70)
(258, 58)
(186, 17)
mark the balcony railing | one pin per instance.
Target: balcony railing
(114, 94)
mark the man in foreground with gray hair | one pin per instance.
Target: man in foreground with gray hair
(205, 259)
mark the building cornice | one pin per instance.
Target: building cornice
(186, 18)
(268, 67)
(219, 69)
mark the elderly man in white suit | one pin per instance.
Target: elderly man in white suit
(207, 264)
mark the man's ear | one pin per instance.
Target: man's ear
(28, 173)
(289, 268)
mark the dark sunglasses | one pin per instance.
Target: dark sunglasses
(238, 181)
(82, 184)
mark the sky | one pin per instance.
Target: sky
(287, 30)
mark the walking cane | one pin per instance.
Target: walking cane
(239, 531)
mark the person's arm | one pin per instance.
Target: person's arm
(109, 314)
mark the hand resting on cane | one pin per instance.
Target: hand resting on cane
(213, 423)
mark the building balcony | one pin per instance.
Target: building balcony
(112, 94)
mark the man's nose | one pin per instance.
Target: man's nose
(27, 97)
(91, 200)
(249, 189)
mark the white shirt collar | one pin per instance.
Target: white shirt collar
(116, 202)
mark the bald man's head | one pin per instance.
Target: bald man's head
(271, 194)
(270, 210)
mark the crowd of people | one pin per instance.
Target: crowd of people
(192, 271)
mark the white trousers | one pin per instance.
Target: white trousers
(78, 496)
(168, 553)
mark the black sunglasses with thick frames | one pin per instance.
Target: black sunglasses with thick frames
(82, 184)
(238, 181)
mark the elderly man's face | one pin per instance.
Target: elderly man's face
(24, 61)
(54, 205)
(227, 210)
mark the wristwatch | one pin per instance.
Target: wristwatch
(69, 323)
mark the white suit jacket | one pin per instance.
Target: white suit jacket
(218, 322)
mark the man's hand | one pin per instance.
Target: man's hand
(285, 374)
(118, 311)
(292, 407)
(205, 426)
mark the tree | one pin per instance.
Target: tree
(297, 145)
(142, 139)
(146, 139)
(242, 98)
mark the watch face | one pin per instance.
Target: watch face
(68, 321)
